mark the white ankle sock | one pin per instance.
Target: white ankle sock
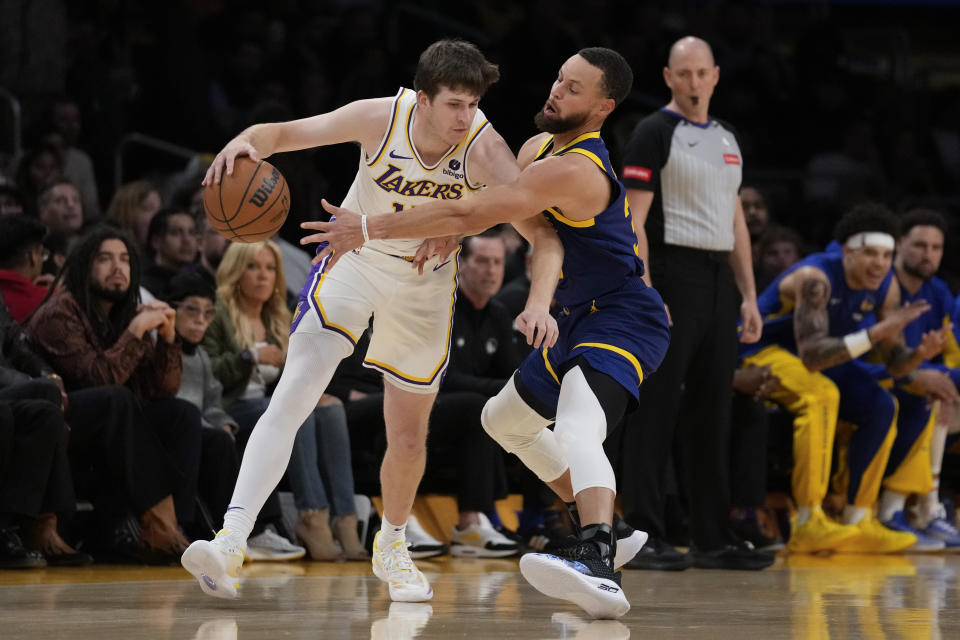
(239, 522)
(890, 503)
(803, 514)
(391, 533)
(853, 515)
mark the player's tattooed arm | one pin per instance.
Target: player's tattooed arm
(811, 325)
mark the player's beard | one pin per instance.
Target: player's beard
(917, 271)
(559, 125)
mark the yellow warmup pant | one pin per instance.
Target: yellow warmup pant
(814, 401)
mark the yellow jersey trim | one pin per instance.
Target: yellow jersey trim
(590, 155)
(546, 362)
(578, 139)
(543, 147)
(393, 124)
(617, 350)
(570, 223)
(951, 350)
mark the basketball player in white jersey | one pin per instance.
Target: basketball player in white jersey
(419, 146)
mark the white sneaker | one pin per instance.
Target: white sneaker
(220, 629)
(405, 621)
(394, 566)
(271, 546)
(422, 544)
(216, 564)
(481, 541)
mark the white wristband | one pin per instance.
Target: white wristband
(857, 343)
(363, 227)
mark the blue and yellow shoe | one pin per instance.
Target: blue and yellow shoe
(394, 566)
(216, 564)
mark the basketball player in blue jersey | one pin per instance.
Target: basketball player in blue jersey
(613, 327)
(814, 315)
(423, 145)
(917, 452)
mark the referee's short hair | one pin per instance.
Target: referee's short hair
(868, 216)
(617, 75)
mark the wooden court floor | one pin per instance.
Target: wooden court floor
(801, 597)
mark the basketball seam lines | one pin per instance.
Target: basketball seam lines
(245, 191)
(263, 213)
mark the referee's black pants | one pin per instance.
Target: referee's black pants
(689, 396)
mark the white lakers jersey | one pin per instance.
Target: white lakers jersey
(394, 177)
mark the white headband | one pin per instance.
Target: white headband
(870, 239)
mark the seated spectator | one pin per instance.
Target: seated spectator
(247, 344)
(31, 432)
(119, 462)
(11, 200)
(95, 332)
(778, 249)
(38, 167)
(755, 212)
(132, 207)
(172, 242)
(59, 207)
(482, 358)
(77, 165)
(21, 265)
(212, 247)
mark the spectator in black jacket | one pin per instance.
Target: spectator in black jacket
(483, 356)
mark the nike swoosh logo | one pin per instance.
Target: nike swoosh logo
(396, 157)
(693, 144)
(441, 264)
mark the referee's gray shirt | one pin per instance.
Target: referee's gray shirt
(695, 171)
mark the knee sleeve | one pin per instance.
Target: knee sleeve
(581, 429)
(522, 431)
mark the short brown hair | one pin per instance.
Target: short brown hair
(455, 64)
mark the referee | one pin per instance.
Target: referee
(683, 172)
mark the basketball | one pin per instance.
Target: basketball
(250, 205)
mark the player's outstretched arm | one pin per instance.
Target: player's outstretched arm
(557, 181)
(363, 121)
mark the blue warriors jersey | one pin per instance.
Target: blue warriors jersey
(600, 254)
(847, 308)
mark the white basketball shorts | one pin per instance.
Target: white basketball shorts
(412, 313)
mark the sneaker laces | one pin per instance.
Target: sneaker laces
(397, 558)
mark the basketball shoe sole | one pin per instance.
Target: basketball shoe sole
(568, 580)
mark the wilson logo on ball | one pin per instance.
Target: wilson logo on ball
(260, 196)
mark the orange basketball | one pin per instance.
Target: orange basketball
(250, 205)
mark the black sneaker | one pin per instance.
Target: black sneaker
(13, 555)
(736, 557)
(587, 579)
(659, 555)
(746, 526)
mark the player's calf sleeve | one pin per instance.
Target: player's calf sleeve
(581, 429)
(311, 361)
(520, 430)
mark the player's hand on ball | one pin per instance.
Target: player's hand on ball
(342, 234)
(223, 163)
(539, 327)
